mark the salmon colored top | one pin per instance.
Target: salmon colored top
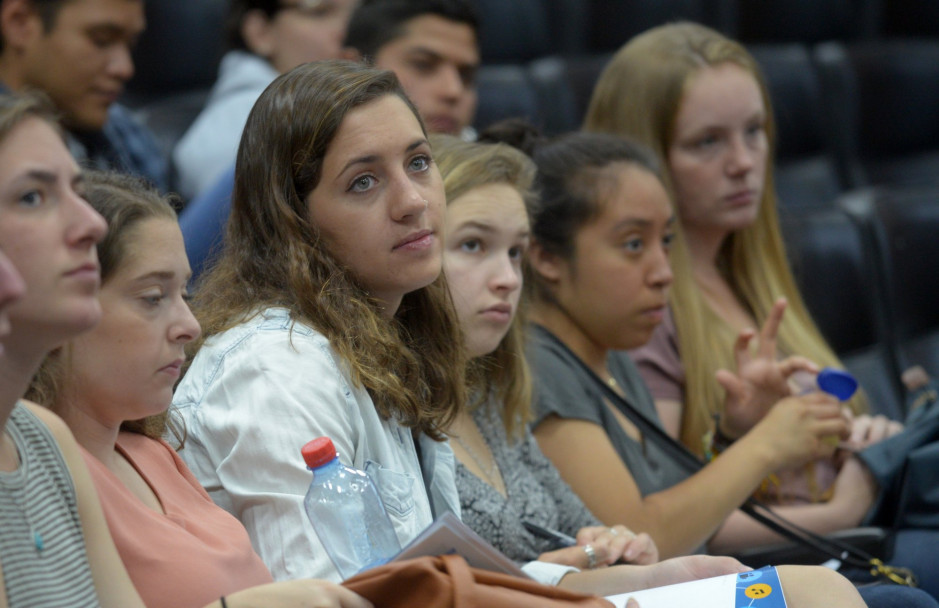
(191, 554)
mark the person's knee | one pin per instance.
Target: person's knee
(810, 586)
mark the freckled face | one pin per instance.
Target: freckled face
(719, 153)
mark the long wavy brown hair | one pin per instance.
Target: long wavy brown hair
(504, 373)
(273, 256)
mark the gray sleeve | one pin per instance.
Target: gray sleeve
(560, 389)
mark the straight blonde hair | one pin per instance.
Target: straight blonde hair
(638, 95)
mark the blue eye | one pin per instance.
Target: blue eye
(362, 183)
(420, 163)
(471, 245)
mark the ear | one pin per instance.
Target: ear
(548, 266)
(19, 23)
(256, 31)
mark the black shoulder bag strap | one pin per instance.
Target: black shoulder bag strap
(830, 547)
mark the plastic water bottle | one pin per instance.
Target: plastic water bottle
(346, 512)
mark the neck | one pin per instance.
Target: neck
(96, 436)
(10, 74)
(18, 364)
(704, 246)
(556, 320)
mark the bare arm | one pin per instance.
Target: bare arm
(790, 434)
(113, 584)
(854, 494)
(670, 412)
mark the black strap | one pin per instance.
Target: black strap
(759, 511)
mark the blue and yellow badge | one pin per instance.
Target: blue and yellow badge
(759, 589)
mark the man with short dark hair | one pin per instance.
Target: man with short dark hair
(78, 52)
(433, 48)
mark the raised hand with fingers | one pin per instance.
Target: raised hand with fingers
(761, 379)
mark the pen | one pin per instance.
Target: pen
(560, 539)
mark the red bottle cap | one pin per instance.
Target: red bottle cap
(318, 452)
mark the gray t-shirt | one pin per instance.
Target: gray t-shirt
(568, 392)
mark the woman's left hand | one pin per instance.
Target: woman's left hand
(600, 546)
(621, 543)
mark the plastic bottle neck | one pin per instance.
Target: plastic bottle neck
(326, 469)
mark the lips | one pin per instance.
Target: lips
(443, 124)
(88, 271)
(742, 197)
(414, 241)
(501, 312)
(173, 368)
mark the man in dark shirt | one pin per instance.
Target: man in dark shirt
(78, 52)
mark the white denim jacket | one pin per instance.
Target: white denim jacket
(253, 397)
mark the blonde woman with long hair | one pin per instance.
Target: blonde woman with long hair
(699, 101)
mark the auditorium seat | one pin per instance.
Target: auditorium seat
(832, 261)
(907, 228)
(806, 171)
(807, 21)
(889, 91)
(512, 32)
(613, 22)
(564, 86)
(505, 92)
(910, 18)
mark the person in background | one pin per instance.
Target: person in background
(432, 47)
(113, 384)
(705, 110)
(265, 38)
(503, 478)
(55, 548)
(78, 52)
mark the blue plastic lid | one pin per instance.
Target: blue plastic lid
(837, 382)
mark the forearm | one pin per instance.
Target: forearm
(706, 499)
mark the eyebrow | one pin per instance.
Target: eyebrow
(162, 275)
(484, 227)
(436, 56)
(364, 160)
(638, 222)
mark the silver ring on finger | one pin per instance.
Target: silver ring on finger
(591, 557)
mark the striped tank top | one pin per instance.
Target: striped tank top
(42, 548)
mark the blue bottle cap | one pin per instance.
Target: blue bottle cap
(837, 382)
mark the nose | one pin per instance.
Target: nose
(450, 83)
(185, 328)
(742, 157)
(86, 226)
(121, 63)
(12, 286)
(660, 271)
(408, 202)
(506, 276)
